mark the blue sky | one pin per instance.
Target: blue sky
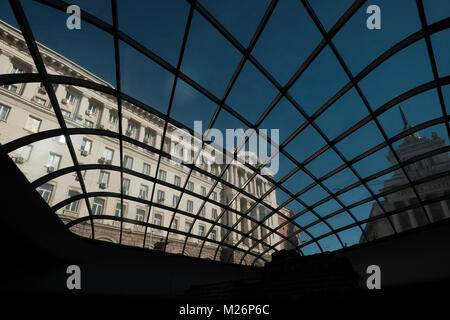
(288, 39)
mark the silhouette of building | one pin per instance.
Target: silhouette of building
(413, 145)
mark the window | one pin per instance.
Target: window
(126, 185)
(70, 98)
(190, 186)
(160, 196)
(175, 200)
(103, 177)
(143, 191)
(61, 139)
(162, 175)
(33, 124)
(202, 212)
(66, 113)
(150, 137)
(140, 213)
(92, 109)
(190, 206)
(146, 169)
(86, 145)
(128, 162)
(53, 161)
(17, 69)
(45, 191)
(24, 153)
(214, 214)
(4, 112)
(39, 100)
(10, 87)
(201, 230)
(177, 181)
(112, 118)
(88, 123)
(131, 128)
(187, 226)
(203, 191)
(97, 206)
(157, 219)
(174, 224)
(119, 212)
(213, 235)
(73, 206)
(108, 154)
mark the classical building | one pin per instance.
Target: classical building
(411, 146)
(288, 230)
(25, 110)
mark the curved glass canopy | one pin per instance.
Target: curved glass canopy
(229, 130)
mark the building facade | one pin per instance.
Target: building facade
(288, 230)
(412, 146)
(25, 110)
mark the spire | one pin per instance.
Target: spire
(405, 122)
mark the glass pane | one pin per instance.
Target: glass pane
(209, 59)
(342, 115)
(323, 78)
(70, 51)
(395, 76)
(158, 25)
(324, 163)
(377, 229)
(41, 158)
(440, 46)
(241, 18)
(359, 45)
(351, 236)
(251, 93)
(305, 144)
(392, 121)
(189, 106)
(329, 11)
(291, 36)
(436, 10)
(284, 117)
(340, 180)
(143, 79)
(359, 141)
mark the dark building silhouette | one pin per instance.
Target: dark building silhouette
(412, 146)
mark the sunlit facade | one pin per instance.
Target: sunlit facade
(26, 109)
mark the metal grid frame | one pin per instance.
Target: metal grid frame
(246, 57)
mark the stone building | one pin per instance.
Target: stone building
(289, 230)
(92, 119)
(413, 145)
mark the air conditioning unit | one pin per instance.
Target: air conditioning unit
(160, 200)
(64, 101)
(129, 132)
(42, 90)
(100, 126)
(19, 160)
(108, 162)
(79, 117)
(84, 153)
(102, 185)
(88, 112)
(76, 177)
(50, 169)
(101, 160)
